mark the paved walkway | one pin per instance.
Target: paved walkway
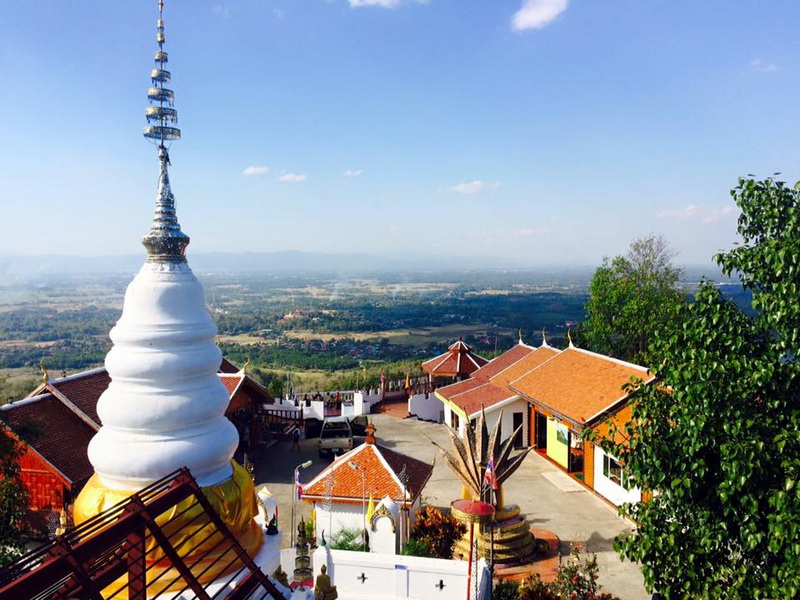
(573, 515)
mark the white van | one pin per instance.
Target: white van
(336, 436)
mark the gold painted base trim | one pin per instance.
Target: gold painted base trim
(189, 530)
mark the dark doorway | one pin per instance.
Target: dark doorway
(517, 422)
(541, 432)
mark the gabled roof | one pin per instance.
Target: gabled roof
(459, 360)
(578, 384)
(81, 389)
(64, 413)
(383, 470)
(57, 433)
(488, 386)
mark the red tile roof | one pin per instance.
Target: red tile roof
(84, 389)
(459, 360)
(383, 468)
(489, 385)
(56, 433)
(578, 384)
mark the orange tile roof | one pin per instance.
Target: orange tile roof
(525, 364)
(578, 384)
(458, 360)
(489, 384)
(382, 467)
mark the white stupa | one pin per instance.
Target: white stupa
(164, 408)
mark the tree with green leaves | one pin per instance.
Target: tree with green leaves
(717, 439)
(632, 297)
(13, 498)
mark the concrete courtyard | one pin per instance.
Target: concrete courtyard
(549, 498)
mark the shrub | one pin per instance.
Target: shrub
(348, 539)
(438, 530)
(418, 548)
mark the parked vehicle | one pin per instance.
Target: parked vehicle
(359, 425)
(313, 427)
(336, 436)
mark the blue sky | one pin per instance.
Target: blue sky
(554, 131)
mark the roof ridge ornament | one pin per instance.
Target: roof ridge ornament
(544, 338)
(569, 338)
(165, 242)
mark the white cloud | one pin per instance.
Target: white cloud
(292, 177)
(693, 212)
(353, 172)
(762, 67)
(253, 170)
(535, 14)
(381, 3)
(222, 11)
(473, 187)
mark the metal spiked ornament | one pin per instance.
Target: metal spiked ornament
(165, 242)
(471, 455)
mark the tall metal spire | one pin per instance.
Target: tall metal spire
(165, 242)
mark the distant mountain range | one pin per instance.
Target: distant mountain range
(24, 268)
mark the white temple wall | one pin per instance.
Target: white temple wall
(609, 489)
(341, 516)
(427, 407)
(392, 577)
(515, 406)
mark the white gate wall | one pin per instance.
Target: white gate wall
(427, 407)
(366, 576)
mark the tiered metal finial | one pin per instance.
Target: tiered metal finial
(165, 242)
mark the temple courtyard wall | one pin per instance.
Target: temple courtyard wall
(548, 498)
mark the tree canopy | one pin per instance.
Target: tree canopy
(718, 438)
(631, 298)
(13, 498)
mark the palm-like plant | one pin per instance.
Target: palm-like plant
(472, 454)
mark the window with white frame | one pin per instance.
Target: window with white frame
(614, 471)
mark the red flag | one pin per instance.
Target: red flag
(491, 478)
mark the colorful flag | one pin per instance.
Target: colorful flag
(298, 486)
(491, 478)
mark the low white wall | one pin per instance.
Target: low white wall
(363, 401)
(427, 407)
(393, 577)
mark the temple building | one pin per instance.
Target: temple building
(574, 391)
(487, 389)
(59, 417)
(341, 492)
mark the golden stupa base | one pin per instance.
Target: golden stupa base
(188, 529)
(507, 539)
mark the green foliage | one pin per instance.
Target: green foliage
(534, 588)
(348, 539)
(418, 548)
(13, 499)
(505, 590)
(576, 579)
(439, 531)
(631, 299)
(719, 438)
